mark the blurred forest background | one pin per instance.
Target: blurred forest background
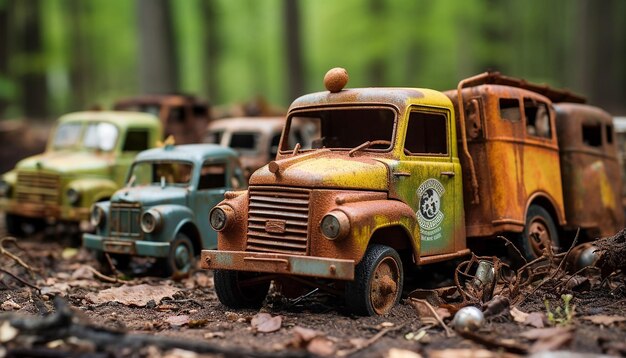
(58, 56)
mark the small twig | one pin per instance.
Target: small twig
(574, 275)
(509, 243)
(369, 342)
(21, 280)
(432, 310)
(12, 256)
(111, 265)
(102, 276)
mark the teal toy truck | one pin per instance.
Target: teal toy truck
(163, 211)
(86, 161)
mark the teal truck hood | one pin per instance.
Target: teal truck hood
(67, 162)
(151, 195)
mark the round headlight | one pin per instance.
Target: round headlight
(5, 189)
(73, 196)
(150, 221)
(335, 225)
(97, 215)
(217, 218)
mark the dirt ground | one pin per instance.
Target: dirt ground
(189, 321)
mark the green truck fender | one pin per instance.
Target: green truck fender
(388, 222)
(91, 190)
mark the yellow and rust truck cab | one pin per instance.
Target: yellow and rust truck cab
(379, 181)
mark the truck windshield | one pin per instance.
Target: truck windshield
(97, 136)
(159, 173)
(343, 128)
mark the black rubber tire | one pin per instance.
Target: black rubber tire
(522, 241)
(181, 266)
(232, 294)
(17, 225)
(358, 293)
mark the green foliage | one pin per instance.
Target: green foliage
(561, 316)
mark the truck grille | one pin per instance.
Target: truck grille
(36, 187)
(125, 220)
(278, 220)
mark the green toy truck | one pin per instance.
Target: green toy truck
(86, 161)
(163, 211)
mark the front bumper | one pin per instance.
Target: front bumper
(44, 211)
(321, 267)
(126, 246)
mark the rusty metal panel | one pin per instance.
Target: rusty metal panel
(591, 173)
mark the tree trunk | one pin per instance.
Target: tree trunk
(31, 76)
(4, 56)
(212, 46)
(376, 69)
(295, 66)
(158, 65)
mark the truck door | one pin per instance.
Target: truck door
(212, 185)
(425, 178)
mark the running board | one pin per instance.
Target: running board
(443, 257)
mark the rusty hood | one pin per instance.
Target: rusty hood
(68, 162)
(151, 195)
(325, 169)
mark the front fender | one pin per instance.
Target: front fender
(174, 218)
(92, 189)
(366, 217)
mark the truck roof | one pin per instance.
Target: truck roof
(399, 97)
(252, 124)
(172, 99)
(119, 118)
(188, 152)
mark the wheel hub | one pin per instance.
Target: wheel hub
(384, 286)
(181, 256)
(539, 236)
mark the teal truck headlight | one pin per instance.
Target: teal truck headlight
(73, 196)
(5, 189)
(97, 216)
(335, 225)
(151, 221)
(220, 217)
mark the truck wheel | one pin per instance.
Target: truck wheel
(181, 258)
(539, 222)
(234, 292)
(20, 226)
(377, 284)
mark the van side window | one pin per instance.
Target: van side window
(212, 175)
(426, 133)
(136, 140)
(609, 134)
(509, 109)
(274, 144)
(537, 119)
(592, 135)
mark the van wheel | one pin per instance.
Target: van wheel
(377, 284)
(181, 257)
(539, 233)
(237, 289)
(20, 226)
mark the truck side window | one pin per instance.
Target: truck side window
(509, 109)
(274, 145)
(136, 140)
(212, 175)
(537, 119)
(592, 135)
(426, 133)
(177, 115)
(609, 134)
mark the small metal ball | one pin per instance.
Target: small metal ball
(468, 318)
(588, 257)
(336, 79)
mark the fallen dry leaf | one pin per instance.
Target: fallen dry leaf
(128, 295)
(518, 316)
(537, 333)
(82, 273)
(465, 353)
(315, 342)
(535, 319)
(604, 320)
(265, 323)
(321, 346)
(401, 353)
(10, 305)
(177, 320)
(548, 339)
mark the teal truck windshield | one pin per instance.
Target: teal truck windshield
(97, 136)
(161, 172)
(342, 128)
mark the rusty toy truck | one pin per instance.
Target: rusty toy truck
(394, 178)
